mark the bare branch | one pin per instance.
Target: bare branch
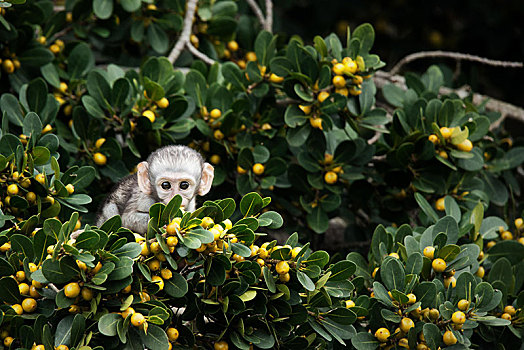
(186, 31)
(455, 55)
(505, 109)
(269, 16)
(258, 12)
(199, 54)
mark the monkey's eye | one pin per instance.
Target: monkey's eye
(184, 185)
(165, 185)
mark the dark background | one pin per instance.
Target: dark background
(491, 29)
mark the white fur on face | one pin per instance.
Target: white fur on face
(175, 179)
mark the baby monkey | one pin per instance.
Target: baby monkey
(168, 171)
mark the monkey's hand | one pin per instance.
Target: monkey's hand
(136, 221)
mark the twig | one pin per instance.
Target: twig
(258, 12)
(186, 32)
(269, 16)
(505, 109)
(455, 55)
(53, 287)
(199, 54)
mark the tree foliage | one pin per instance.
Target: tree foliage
(297, 137)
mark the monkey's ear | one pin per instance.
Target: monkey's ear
(143, 177)
(208, 173)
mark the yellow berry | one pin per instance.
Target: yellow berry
(232, 45)
(172, 241)
(330, 177)
(449, 338)
(172, 334)
(99, 159)
(87, 293)
(406, 324)
(382, 334)
(275, 78)
(439, 204)
(20, 276)
(450, 280)
(127, 312)
(215, 159)
(70, 188)
(439, 265)
(506, 236)
(63, 87)
(506, 316)
(215, 113)
(282, 267)
(316, 122)
(463, 304)
(509, 309)
(72, 290)
(149, 114)
(23, 288)
(137, 319)
(154, 265)
(12, 189)
(394, 255)
(349, 303)
(458, 317)
(8, 66)
(374, 273)
(412, 298)
(221, 345)
(219, 135)
(322, 96)
(163, 103)
(433, 138)
(350, 66)
(158, 281)
(305, 109)
(100, 142)
(339, 81)
(446, 132)
(465, 146)
(18, 309)
(8, 341)
(429, 252)
(251, 56)
(166, 274)
(284, 277)
(338, 69)
(519, 223)
(54, 48)
(258, 169)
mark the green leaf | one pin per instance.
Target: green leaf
(251, 204)
(87, 240)
(342, 270)
(318, 220)
(426, 207)
(432, 335)
(9, 292)
(319, 258)
(449, 227)
(156, 338)
(103, 9)
(11, 107)
(465, 287)
(393, 274)
(36, 95)
(426, 293)
(511, 250)
(365, 341)
(305, 281)
(22, 244)
(81, 59)
(366, 34)
(176, 286)
(63, 331)
(107, 324)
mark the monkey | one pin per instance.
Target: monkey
(168, 171)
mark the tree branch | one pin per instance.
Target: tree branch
(258, 12)
(455, 55)
(505, 109)
(186, 32)
(199, 54)
(269, 16)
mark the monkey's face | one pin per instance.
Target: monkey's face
(171, 184)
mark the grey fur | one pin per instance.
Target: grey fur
(132, 204)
